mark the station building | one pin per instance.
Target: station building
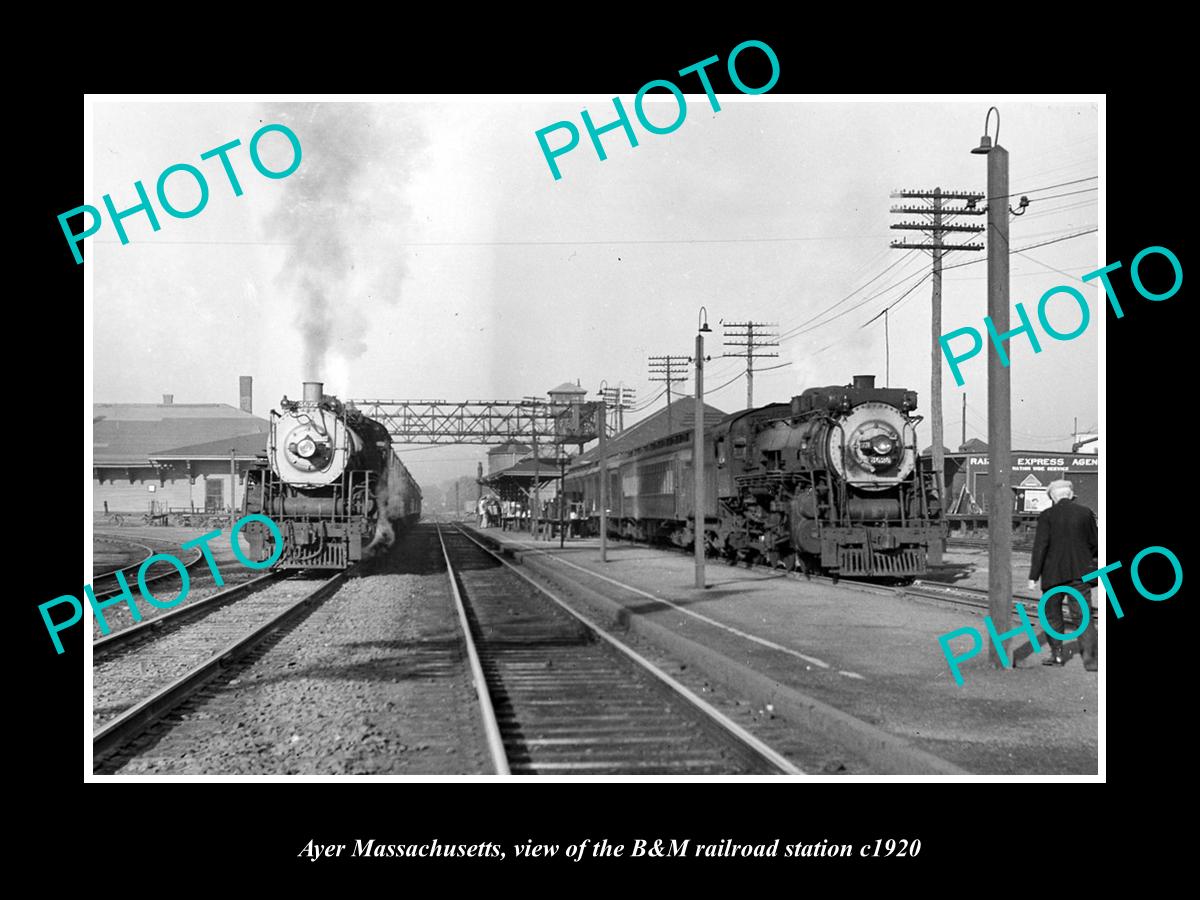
(155, 458)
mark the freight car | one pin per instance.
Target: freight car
(830, 482)
(331, 482)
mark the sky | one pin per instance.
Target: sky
(423, 250)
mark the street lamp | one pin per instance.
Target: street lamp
(1000, 508)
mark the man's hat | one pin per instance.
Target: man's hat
(1060, 489)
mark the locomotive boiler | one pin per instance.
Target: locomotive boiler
(831, 481)
(332, 483)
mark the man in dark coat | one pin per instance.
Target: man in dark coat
(1064, 550)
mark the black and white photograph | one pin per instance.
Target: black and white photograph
(702, 433)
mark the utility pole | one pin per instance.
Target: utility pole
(618, 399)
(753, 335)
(670, 369)
(537, 494)
(562, 495)
(603, 486)
(936, 223)
(887, 351)
(964, 421)
(698, 506)
(1000, 509)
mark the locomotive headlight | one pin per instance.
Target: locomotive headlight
(882, 445)
(306, 448)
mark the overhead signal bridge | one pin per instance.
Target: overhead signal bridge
(485, 421)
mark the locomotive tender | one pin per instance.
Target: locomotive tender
(830, 482)
(332, 483)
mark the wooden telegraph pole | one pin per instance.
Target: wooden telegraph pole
(937, 223)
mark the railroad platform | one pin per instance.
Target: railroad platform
(862, 665)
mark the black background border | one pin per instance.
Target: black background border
(1146, 471)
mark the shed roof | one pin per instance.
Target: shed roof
(244, 447)
(127, 434)
(547, 468)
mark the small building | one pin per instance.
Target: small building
(150, 458)
(969, 484)
(505, 456)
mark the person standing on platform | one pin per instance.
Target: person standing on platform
(1064, 550)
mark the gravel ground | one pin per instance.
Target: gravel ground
(974, 563)
(374, 681)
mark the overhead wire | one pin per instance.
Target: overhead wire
(791, 332)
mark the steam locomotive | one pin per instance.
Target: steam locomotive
(831, 482)
(331, 482)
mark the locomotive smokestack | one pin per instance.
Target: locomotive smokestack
(865, 382)
(246, 393)
(314, 391)
(168, 399)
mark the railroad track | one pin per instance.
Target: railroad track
(166, 623)
(983, 544)
(146, 679)
(104, 591)
(560, 695)
(974, 598)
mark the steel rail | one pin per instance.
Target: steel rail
(967, 596)
(135, 720)
(773, 757)
(105, 594)
(112, 573)
(491, 726)
(126, 635)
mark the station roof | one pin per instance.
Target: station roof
(513, 483)
(547, 469)
(567, 388)
(128, 434)
(244, 447)
(654, 428)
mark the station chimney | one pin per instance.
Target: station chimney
(246, 393)
(168, 399)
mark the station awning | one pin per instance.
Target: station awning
(517, 482)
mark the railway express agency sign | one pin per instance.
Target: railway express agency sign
(1032, 473)
(1047, 463)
